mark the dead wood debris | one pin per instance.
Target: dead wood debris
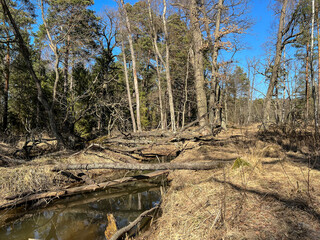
(139, 166)
(76, 190)
(123, 230)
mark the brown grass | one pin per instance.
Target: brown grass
(276, 197)
(273, 198)
(36, 175)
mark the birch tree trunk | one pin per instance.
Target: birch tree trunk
(314, 93)
(133, 120)
(275, 68)
(54, 48)
(185, 93)
(157, 56)
(165, 63)
(167, 67)
(162, 117)
(134, 68)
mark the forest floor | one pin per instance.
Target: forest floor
(268, 187)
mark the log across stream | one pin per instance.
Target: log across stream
(85, 216)
(82, 211)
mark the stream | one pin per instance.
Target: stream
(84, 216)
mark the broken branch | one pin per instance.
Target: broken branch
(123, 230)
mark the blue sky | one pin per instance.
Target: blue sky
(253, 40)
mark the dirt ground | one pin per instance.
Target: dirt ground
(266, 191)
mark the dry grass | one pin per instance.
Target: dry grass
(36, 176)
(272, 198)
(26, 179)
(276, 197)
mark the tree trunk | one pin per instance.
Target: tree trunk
(249, 94)
(66, 67)
(134, 68)
(307, 84)
(26, 54)
(215, 68)
(133, 120)
(250, 104)
(235, 117)
(284, 89)
(275, 68)
(276, 103)
(314, 93)
(6, 86)
(185, 92)
(167, 66)
(54, 49)
(318, 38)
(141, 166)
(198, 62)
(225, 105)
(162, 117)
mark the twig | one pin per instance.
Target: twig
(216, 219)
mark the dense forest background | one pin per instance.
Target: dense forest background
(157, 64)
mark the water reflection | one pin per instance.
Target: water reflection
(83, 216)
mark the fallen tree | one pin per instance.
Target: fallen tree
(76, 190)
(140, 166)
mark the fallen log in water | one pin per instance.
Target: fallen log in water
(123, 230)
(141, 166)
(76, 190)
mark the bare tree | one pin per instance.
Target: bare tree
(215, 68)
(314, 93)
(54, 47)
(166, 63)
(6, 81)
(167, 67)
(133, 58)
(133, 120)
(26, 54)
(286, 35)
(292, 25)
(197, 61)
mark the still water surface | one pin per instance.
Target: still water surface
(84, 216)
